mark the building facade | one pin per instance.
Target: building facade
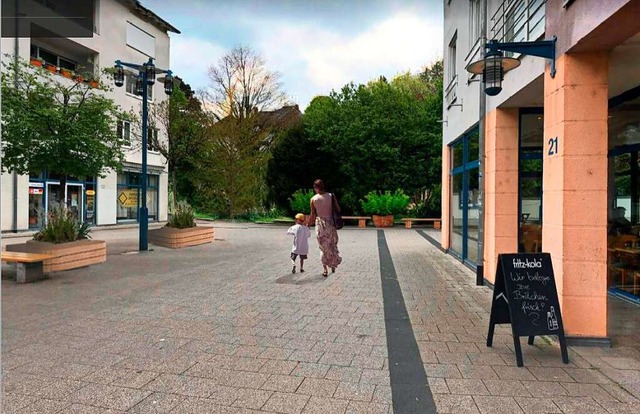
(560, 160)
(125, 30)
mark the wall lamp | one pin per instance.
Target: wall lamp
(495, 64)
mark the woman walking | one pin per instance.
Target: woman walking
(322, 205)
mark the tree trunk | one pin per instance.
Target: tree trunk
(174, 188)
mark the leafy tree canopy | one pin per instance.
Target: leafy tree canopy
(379, 136)
(52, 123)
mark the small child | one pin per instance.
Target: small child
(300, 244)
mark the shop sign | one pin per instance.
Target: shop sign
(91, 192)
(128, 197)
(38, 185)
(36, 190)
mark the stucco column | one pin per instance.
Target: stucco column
(574, 227)
(501, 187)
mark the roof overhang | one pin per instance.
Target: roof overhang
(151, 16)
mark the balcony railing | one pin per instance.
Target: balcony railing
(518, 21)
(451, 92)
(472, 56)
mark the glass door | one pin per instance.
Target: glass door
(54, 195)
(464, 197)
(530, 180)
(74, 200)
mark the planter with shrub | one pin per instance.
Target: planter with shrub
(64, 237)
(181, 230)
(383, 206)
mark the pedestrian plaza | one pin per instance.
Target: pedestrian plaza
(226, 328)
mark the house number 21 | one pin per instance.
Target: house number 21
(553, 146)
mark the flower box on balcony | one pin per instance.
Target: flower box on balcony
(66, 73)
(36, 62)
(51, 68)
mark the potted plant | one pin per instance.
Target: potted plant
(79, 78)
(181, 230)
(383, 206)
(36, 62)
(64, 237)
(51, 68)
(66, 73)
(94, 83)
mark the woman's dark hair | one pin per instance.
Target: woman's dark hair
(319, 184)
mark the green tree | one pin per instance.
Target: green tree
(183, 123)
(54, 124)
(229, 179)
(295, 162)
(243, 96)
(380, 136)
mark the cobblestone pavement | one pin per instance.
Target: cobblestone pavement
(226, 328)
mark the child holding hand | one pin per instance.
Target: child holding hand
(301, 234)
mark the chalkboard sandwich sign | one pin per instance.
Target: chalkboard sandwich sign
(525, 296)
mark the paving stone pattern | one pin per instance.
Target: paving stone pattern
(225, 328)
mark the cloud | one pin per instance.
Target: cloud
(191, 57)
(314, 60)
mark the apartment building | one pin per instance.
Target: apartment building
(561, 170)
(125, 30)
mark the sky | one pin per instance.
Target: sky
(316, 45)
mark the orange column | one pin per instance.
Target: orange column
(446, 197)
(501, 187)
(574, 227)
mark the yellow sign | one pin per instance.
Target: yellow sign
(91, 192)
(128, 198)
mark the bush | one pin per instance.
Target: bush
(183, 216)
(62, 226)
(261, 214)
(300, 201)
(386, 203)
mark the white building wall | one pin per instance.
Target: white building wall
(459, 119)
(109, 44)
(107, 199)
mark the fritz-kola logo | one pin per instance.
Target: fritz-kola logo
(527, 264)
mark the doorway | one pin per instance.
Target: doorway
(531, 136)
(72, 196)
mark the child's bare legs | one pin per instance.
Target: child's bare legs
(301, 265)
(293, 263)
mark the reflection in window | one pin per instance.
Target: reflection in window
(623, 253)
(530, 182)
(456, 214)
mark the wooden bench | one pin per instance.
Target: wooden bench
(362, 221)
(30, 266)
(408, 221)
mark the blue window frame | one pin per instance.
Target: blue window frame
(464, 196)
(44, 187)
(129, 187)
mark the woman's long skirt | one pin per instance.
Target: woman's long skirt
(327, 236)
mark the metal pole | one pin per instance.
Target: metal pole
(144, 212)
(14, 175)
(481, 156)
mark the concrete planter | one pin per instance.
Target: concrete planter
(177, 238)
(71, 255)
(382, 221)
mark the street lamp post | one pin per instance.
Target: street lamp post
(146, 77)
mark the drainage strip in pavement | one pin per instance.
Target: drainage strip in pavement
(409, 388)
